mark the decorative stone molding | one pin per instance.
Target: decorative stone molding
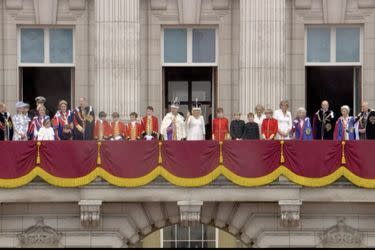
(290, 212)
(90, 212)
(341, 235)
(40, 235)
(189, 11)
(302, 4)
(334, 11)
(366, 4)
(45, 11)
(220, 4)
(158, 4)
(77, 4)
(14, 4)
(190, 212)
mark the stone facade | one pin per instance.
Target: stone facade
(117, 62)
(339, 215)
(118, 67)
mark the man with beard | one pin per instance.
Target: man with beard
(361, 121)
(323, 123)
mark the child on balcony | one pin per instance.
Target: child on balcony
(269, 126)
(46, 132)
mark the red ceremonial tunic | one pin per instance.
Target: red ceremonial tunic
(150, 126)
(220, 128)
(103, 132)
(117, 129)
(133, 132)
(269, 127)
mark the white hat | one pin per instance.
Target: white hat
(175, 104)
(20, 105)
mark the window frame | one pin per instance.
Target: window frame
(189, 238)
(189, 30)
(47, 62)
(332, 61)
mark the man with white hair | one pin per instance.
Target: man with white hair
(361, 121)
(173, 125)
(6, 125)
(344, 129)
(301, 126)
(323, 123)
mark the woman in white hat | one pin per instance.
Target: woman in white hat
(344, 129)
(195, 126)
(20, 123)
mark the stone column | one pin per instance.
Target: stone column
(2, 89)
(262, 53)
(117, 56)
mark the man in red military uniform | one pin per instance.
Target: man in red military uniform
(150, 125)
(133, 128)
(220, 126)
(102, 128)
(269, 126)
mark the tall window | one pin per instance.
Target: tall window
(46, 46)
(189, 46)
(199, 236)
(339, 45)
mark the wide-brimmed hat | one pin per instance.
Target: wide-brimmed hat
(20, 105)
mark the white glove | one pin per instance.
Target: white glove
(149, 137)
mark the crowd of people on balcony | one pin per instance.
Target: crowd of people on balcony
(266, 124)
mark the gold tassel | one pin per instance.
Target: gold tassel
(160, 158)
(38, 152)
(221, 153)
(343, 160)
(282, 159)
(99, 159)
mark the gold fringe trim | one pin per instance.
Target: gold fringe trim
(343, 160)
(282, 159)
(187, 182)
(99, 159)
(160, 160)
(221, 159)
(38, 152)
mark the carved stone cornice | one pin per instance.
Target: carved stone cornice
(158, 4)
(45, 11)
(90, 212)
(14, 4)
(290, 212)
(220, 4)
(190, 212)
(333, 11)
(341, 235)
(77, 4)
(40, 235)
(189, 12)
